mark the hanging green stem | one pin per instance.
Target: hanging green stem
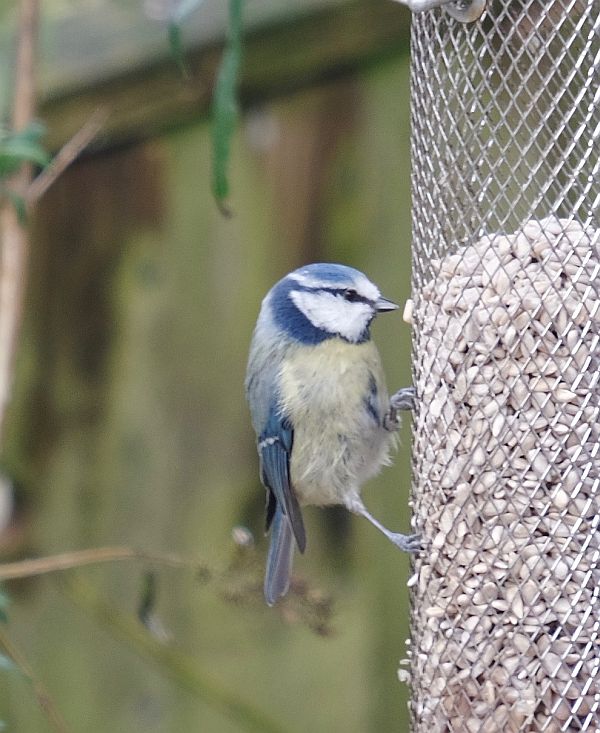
(225, 105)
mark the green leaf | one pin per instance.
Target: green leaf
(34, 131)
(15, 152)
(21, 147)
(225, 104)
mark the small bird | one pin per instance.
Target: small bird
(319, 404)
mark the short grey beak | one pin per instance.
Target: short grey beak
(383, 304)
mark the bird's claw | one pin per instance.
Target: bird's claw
(407, 542)
(403, 399)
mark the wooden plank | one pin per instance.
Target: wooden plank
(278, 59)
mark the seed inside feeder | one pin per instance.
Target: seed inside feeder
(507, 478)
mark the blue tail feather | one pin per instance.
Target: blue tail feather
(279, 559)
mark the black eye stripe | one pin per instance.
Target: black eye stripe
(352, 296)
(349, 294)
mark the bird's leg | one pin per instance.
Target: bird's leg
(404, 399)
(406, 542)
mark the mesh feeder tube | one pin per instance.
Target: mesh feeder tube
(506, 332)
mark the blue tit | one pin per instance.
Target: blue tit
(319, 404)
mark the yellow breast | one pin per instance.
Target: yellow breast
(338, 443)
(326, 375)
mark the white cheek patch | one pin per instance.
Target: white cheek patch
(334, 314)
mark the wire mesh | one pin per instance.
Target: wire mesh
(506, 464)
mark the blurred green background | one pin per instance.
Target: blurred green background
(129, 426)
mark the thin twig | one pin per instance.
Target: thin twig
(92, 556)
(41, 693)
(65, 156)
(25, 80)
(14, 242)
(14, 239)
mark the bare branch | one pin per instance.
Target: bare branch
(14, 240)
(14, 244)
(66, 155)
(92, 556)
(25, 86)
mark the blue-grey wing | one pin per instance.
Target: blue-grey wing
(275, 448)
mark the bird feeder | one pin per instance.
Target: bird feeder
(506, 329)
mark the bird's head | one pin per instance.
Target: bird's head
(320, 301)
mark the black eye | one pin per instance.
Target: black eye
(351, 295)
